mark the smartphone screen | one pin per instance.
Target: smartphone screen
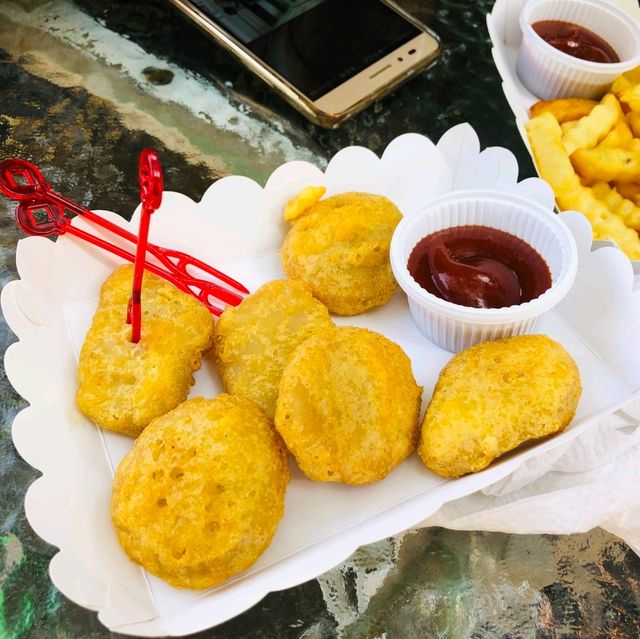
(313, 44)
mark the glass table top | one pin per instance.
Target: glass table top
(87, 84)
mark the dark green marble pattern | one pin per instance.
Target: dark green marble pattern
(463, 86)
(79, 143)
(429, 583)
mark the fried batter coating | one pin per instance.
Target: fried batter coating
(340, 246)
(200, 495)
(122, 386)
(254, 340)
(348, 406)
(495, 396)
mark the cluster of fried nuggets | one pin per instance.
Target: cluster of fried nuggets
(589, 152)
(200, 495)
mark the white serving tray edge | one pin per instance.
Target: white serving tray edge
(238, 224)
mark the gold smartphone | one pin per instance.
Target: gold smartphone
(328, 58)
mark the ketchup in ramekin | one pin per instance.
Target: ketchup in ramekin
(479, 267)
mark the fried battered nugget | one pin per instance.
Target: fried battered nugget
(493, 397)
(200, 495)
(340, 246)
(254, 340)
(122, 386)
(348, 406)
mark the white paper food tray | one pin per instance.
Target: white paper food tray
(506, 36)
(238, 226)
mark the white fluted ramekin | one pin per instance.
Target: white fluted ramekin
(453, 326)
(549, 73)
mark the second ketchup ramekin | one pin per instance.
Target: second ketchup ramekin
(455, 327)
(549, 73)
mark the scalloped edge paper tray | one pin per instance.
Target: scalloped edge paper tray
(238, 226)
(506, 36)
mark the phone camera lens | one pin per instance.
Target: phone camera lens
(400, 59)
(412, 51)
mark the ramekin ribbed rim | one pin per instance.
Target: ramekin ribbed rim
(515, 313)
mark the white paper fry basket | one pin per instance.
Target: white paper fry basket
(50, 308)
(506, 36)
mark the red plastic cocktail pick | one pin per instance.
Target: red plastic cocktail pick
(150, 175)
(42, 211)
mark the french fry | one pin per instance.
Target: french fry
(554, 165)
(303, 201)
(565, 109)
(590, 155)
(625, 81)
(633, 75)
(605, 224)
(625, 209)
(620, 84)
(609, 165)
(619, 137)
(629, 191)
(633, 120)
(631, 97)
(593, 128)
(567, 126)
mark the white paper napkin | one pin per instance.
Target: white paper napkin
(594, 480)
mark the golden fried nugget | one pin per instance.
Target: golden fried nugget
(564, 109)
(122, 386)
(495, 396)
(200, 495)
(254, 340)
(340, 247)
(348, 406)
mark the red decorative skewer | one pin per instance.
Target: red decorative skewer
(150, 176)
(41, 211)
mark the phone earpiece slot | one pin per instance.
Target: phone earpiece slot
(379, 71)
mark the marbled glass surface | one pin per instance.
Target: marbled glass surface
(85, 86)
